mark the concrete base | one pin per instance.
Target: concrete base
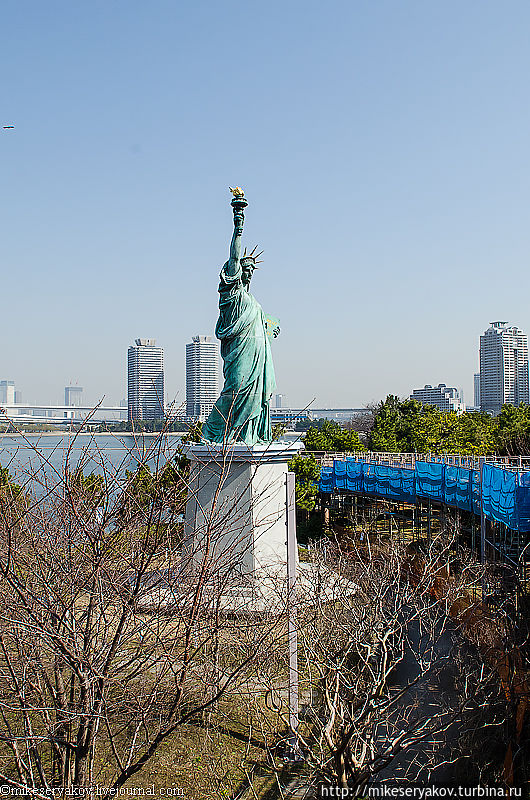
(316, 583)
(236, 534)
(235, 526)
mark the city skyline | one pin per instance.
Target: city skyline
(209, 341)
(386, 184)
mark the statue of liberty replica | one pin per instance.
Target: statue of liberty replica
(236, 508)
(241, 414)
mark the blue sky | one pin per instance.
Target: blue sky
(383, 147)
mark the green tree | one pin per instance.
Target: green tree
(406, 426)
(8, 489)
(512, 430)
(331, 437)
(303, 425)
(394, 423)
(307, 471)
(151, 491)
(194, 434)
(278, 430)
(13, 500)
(87, 489)
(447, 432)
(428, 432)
(475, 435)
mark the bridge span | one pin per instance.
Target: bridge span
(491, 493)
(59, 414)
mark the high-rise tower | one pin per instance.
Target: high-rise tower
(145, 380)
(476, 390)
(503, 367)
(73, 395)
(7, 392)
(202, 376)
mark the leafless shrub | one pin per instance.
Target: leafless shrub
(108, 645)
(391, 673)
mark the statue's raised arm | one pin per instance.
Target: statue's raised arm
(238, 205)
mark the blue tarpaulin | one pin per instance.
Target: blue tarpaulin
(458, 487)
(394, 483)
(349, 475)
(523, 501)
(499, 495)
(505, 494)
(474, 480)
(430, 480)
(327, 480)
(373, 479)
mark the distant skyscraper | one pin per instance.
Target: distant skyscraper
(7, 392)
(503, 367)
(446, 398)
(476, 389)
(145, 380)
(73, 396)
(202, 376)
(280, 401)
(18, 396)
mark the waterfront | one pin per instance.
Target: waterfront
(42, 459)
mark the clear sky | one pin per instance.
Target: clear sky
(384, 147)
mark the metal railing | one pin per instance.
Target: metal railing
(408, 460)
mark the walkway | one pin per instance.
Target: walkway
(494, 491)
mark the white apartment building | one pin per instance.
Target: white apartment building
(446, 398)
(145, 380)
(503, 367)
(202, 376)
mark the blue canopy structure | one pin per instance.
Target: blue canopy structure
(503, 495)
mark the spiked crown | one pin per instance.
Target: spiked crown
(253, 257)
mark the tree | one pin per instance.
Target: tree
(9, 490)
(513, 430)
(362, 422)
(476, 434)
(406, 426)
(109, 645)
(140, 426)
(85, 491)
(303, 425)
(393, 426)
(390, 663)
(330, 437)
(307, 471)
(278, 430)
(441, 432)
(194, 433)
(164, 490)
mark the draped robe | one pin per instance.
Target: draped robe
(241, 414)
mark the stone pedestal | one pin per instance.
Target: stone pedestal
(235, 527)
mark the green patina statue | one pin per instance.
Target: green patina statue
(241, 414)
